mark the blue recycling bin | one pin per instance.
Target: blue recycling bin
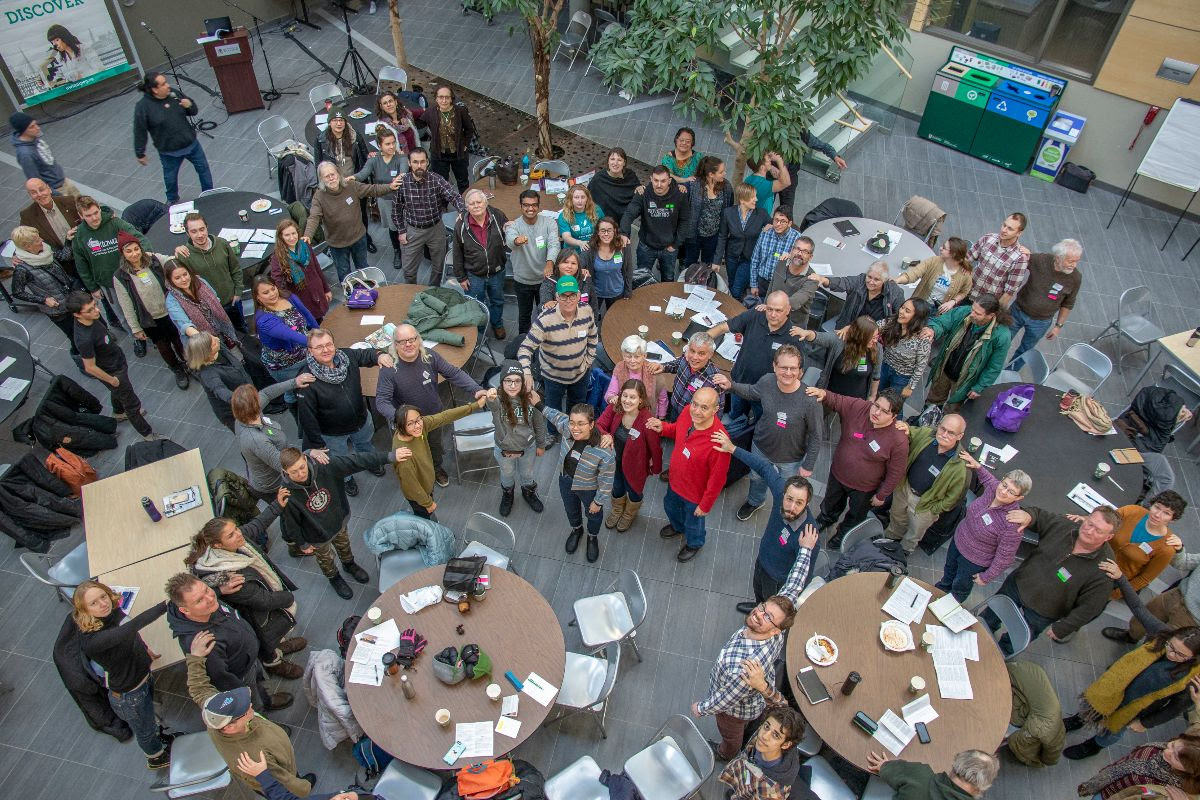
(1010, 129)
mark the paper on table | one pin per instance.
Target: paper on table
(371, 319)
(833, 242)
(676, 306)
(256, 250)
(697, 303)
(429, 344)
(952, 615)
(321, 126)
(894, 237)
(321, 118)
(508, 706)
(1087, 498)
(656, 349)
(508, 726)
(180, 210)
(919, 710)
(1008, 452)
(656, 308)
(12, 387)
(908, 602)
(243, 235)
(477, 736)
(127, 595)
(729, 347)
(368, 653)
(822, 269)
(386, 633)
(954, 682)
(369, 674)
(264, 235)
(700, 291)
(540, 689)
(964, 644)
(7, 362)
(893, 732)
(710, 318)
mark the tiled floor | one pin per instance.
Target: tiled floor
(45, 749)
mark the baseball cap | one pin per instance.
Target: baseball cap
(224, 707)
(567, 285)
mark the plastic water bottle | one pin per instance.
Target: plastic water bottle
(525, 162)
(151, 511)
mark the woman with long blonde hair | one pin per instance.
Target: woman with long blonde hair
(577, 221)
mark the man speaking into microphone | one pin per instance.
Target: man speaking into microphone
(162, 112)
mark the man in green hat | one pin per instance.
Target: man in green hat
(564, 336)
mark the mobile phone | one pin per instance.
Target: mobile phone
(868, 725)
(456, 750)
(922, 733)
(811, 683)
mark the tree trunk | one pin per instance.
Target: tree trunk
(541, 87)
(398, 35)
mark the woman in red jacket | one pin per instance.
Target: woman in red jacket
(638, 449)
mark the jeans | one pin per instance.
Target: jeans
(342, 256)
(489, 290)
(125, 401)
(741, 407)
(576, 392)
(171, 164)
(758, 487)
(699, 250)
(527, 301)
(520, 467)
(577, 503)
(281, 375)
(1109, 738)
(621, 487)
(357, 442)
(890, 379)
(1035, 329)
(666, 261)
(682, 516)
(1036, 622)
(136, 707)
(958, 574)
(738, 275)
(734, 734)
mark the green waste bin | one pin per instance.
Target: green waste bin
(956, 105)
(1012, 125)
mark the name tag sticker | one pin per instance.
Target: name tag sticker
(634, 434)
(1146, 548)
(857, 435)
(861, 368)
(349, 201)
(784, 535)
(573, 454)
(987, 519)
(618, 258)
(874, 445)
(539, 241)
(687, 453)
(1063, 575)
(775, 345)
(696, 383)
(934, 471)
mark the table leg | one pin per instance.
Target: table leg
(1149, 363)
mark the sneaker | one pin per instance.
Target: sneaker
(746, 606)
(506, 500)
(352, 487)
(293, 645)
(278, 701)
(341, 587)
(1072, 723)
(311, 777)
(358, 573)
(746, 511)
(716, 748)
(285, 669)
(686, 554)
(441, 477)
(593, 548)
(1117, 635)
(160, 760)
(371, 248)
(371, 7)
(529, 493)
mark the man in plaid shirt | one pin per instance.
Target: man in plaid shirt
(693, 371)
(1001, 261)
(417, 207)
(773, 244)
(730, 698)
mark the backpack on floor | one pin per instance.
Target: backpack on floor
(71, 469)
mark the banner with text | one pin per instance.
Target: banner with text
(52, 47)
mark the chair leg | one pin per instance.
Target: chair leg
(633, 644)
(599, 720)
(1104, 332)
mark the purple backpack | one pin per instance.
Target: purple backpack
(1011, 407)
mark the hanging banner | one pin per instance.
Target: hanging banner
(53, 47)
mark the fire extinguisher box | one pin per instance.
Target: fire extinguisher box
(1060, 136)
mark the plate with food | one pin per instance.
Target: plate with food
(178, 229)
(896, 636)
(821, 650)
(359, 113)
(260, 205)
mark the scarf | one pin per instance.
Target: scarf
(206, 313)
(1101, 702)
(216, 560)
(297, 261)
(335, 373)
(43, 258)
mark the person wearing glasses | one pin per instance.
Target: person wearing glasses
(868, 461)
(934, 483)
(413, 380)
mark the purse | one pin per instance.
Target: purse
(461, 573)
(359, 293)
(1011, 407)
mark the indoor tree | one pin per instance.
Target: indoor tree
(397, 28)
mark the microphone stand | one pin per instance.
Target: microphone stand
(272, 94)
(303, 20)
(202, 125)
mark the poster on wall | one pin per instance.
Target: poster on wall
(53, 47)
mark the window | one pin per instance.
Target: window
(1070, 35)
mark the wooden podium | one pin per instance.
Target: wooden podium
(233, 62)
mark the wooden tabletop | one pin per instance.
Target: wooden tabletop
(150, 577)
(626, 315)
(346, 326)
(508, 198)
(1176, 346)
(117, 528)
(517, 629)
(849, 612)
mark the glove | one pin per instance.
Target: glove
(411, 645)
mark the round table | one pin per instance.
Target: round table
(517, 629)
(852, 259)
(1054, 452)
(367, 102)
(848, 611)
(221, 211)
(20, 369)
(508, 198)
(346, 326)
(624, 317)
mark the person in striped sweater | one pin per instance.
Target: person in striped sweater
(585, 478)
(564, 338)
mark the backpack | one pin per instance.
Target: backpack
(71, 469)
(486, 779)
(371, 757)
(1005, 415)
(231, 496)
(360, 293)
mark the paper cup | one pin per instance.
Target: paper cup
(927, 639)
(374, 613)
(493, 691)
(676, 337)
(643, 331)
(442, 716)
(1102, 469)
(916, 684)
(974, 445)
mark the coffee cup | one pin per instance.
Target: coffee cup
(243, 215)
(644, 331)
(676, 337)
(442, 716)
(927, 639)
(1102, 470)
(974, 445)
(493, 691)
(374, 613)
(916, 684)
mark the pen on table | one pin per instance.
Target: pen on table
(1119, 486)
(534, 682)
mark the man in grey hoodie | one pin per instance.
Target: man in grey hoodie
(34, 154)
(533, 242)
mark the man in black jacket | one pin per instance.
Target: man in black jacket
(663, 211)
(233, 662)
(163, 114)
(317, 510)
(479, 255)
(331, 410)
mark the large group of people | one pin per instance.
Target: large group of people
(233, 610)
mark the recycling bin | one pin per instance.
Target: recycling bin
(1011, 126)
(956, 105)
(1061, 135)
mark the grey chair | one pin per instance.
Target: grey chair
(613, 616)
(1133, 322)
(196, 767)
(275, 132)
(579, 780)
(325, 91)
(821, 567)
(1034, 361)
(1187, 387)
(816, 583)
(1011, 621)
(474, 433)
(928, 233)
(587, 683)
(604, 29)
(396, 565)
(575, 37)
(391, 74)
(877, 789)
(215, 190)
(371, 275)
(810, 743)
(11, 329)
(64, 575)
(555, 169)
(1082, 368)
(869, 528)
(491, 538)
(402, 781)
(478, 168)
(675, 764)
(825, 783)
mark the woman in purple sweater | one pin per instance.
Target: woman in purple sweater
(282, 324)
(985, 542)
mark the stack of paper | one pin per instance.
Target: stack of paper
(729, 347)
(369, 674)
(7, 362)
(1087, 498)
(12, 387)
(540, 689)
(919, 710)
(676, 307)
(952, 615)
(822, 269)
(954, 682)
(908, 602)
(966, 643)
(242, 235)
(893, 732)
(477, 736)
(254, 251)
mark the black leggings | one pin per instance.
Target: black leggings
(165, 336)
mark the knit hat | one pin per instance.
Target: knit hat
(511, 368)
(224, 707)
(124, 238)
(567, 285)
(19, 122)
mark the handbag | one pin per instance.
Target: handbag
(461, 573)
(1089, 415)
(360, 294)
(1011, 407)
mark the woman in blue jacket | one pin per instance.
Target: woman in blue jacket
(283, 324)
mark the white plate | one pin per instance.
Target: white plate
(177, 229)
(817, 654)
(360, 346)
(261, 204)
(902, 636)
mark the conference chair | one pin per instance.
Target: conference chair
(1133, 322)
(1082, 368)
(614, 615)
(11, 329)
(869, 528)
(825, 783)
(64, 574)
(1035, 362)
(587, 684)
(579, 780)
(675, 764)
(275, 132)
(196, 767)
(1011, 622)
(491, 538)
(325, 91)
(575, 37)
(402, 781)
(474, 433)
(390, 75)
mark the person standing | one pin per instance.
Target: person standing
(934, 482)
(94, 247)
(975, 341)
(382, 168)
(564, 338)
(104, 361)
(479, 257)
(637, 448)
(905, 351)
(55, 218)
(215, 260)
(613, 186)
(741, 224)
(683, 161)
(1001, 261)
(585, 477)
(662, 208)
(534, 244)
(943, 280)
(764, 330)
(794, 278)
(451, 130)
(787, 195)
(1144, 543)
(163, 115)
(294, 268)
(1047, 298)
(610, 264)
(411, 430)
(334, 209)
(142, 294)
(699, 472)
(521, 437)
(577, 221)
(769, 175)
(708, 198)
(634, 366)
(417, 208)
(771, 246)
(34, 156)
(282, 324)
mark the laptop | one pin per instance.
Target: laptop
(218, 25)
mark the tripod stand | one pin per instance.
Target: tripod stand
(272, 94)
(202, 125)
(354, 60)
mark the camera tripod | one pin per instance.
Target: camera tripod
(358, 65)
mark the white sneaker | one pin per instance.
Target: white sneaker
(371, 8)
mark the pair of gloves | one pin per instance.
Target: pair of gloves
(411, 645)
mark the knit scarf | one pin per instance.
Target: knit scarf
(215, 559)
(297, 261)
(42, 258)
(1101, 702)
(334, 373)
(206, 313)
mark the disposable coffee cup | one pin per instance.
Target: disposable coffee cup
(927, 639)
(975, 445)
(643, 331)
(374, 613)
(676, 337)
(916, 684)
(442, 716)
(493, 691)
(1102, 470)
(243, 215)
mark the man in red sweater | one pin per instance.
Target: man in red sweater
(869, 461)
(697, 470)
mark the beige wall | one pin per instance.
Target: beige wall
(1112, 122)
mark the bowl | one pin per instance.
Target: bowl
(896, 636)
(821, 650)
